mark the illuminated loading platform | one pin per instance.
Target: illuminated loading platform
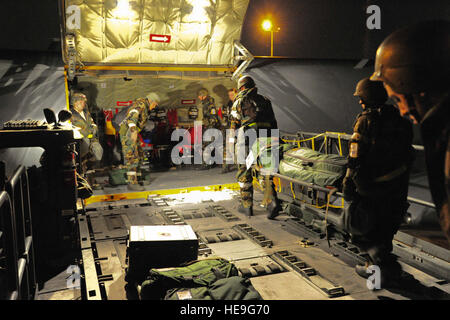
(284, 259)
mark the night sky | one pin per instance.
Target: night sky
(331, 29)
(310, 29)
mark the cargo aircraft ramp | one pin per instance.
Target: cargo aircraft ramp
(284, 259)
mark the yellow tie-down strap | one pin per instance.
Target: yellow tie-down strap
(312, 139)
(164, 192)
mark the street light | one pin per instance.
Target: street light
(268, 26)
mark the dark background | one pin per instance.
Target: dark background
(310, 29)
(331, 29)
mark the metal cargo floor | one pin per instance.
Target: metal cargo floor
(283, 261)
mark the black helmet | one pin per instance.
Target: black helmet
(372, 93)
(246, 81)
(416, 58)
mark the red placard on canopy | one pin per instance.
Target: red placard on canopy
(163, 38)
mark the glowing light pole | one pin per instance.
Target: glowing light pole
(268, 26)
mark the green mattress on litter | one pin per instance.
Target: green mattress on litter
(313, 167)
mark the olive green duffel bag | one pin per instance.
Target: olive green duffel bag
(232, 288)
(200, 280)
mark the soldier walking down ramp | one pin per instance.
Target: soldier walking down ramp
(252, 111)
(134, 122)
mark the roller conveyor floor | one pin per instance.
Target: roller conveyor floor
(283, 262)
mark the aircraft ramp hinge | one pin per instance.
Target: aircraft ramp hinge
(71, 52)
(242, 54)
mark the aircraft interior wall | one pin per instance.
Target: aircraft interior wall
(308, 95)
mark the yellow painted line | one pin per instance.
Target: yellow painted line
(159, 68)
(145, 194)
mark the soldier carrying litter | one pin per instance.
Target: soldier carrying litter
(377, 179)
(252, 111)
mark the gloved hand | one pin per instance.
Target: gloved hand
(349, 189)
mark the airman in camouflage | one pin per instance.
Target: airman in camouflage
(134, 122)
(210, 118)
(252, 111)
(81, 119)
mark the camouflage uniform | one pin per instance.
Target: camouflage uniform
(226, 115)
(136, 118)
(86, 124)
(226, 124)
(377, 179)
(210, 118)
(264, 119)
(88, 130)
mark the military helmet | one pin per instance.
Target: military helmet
(203, 92)
(78, 97)
(246, 81)
(372, 93)
(415, 59)
(153, 96)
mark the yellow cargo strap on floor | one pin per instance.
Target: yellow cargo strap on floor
(145, 194)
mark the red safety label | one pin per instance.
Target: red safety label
(124, 103)
(160, 38)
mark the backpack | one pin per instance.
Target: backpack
(197, 274)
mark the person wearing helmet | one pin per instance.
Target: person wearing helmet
(253, 111)
(377, 178)
(414, 65)
(135, 120)
(82, 121)
(247, 87)
(210, 119)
